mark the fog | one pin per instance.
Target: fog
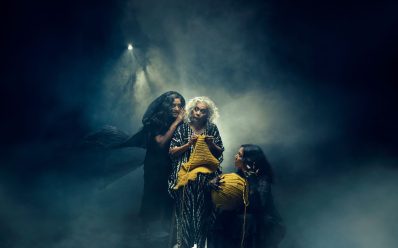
(293, 82)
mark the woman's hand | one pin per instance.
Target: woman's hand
(178, 150)
(215, 149)
(214, 183)
(181, 116)
(209, 141)
(193, 140)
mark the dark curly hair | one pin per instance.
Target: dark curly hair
(159, 113)
(254, 157)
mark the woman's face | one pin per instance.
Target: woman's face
(239, 159)
(176, 107)
(200, 112)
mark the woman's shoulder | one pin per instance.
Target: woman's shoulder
(211, 126)
(183, 127)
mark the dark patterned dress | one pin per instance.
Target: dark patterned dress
(194, 207)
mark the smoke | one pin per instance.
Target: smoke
(69, 208)
(226, 51)
(351, 209)
(208, 49)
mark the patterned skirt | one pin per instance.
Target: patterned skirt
(194, 212)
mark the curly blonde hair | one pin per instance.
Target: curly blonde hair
(213, 110)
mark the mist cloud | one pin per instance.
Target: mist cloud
(220, 50)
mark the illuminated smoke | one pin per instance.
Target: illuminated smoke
(206, 48)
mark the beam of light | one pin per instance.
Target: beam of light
(130, 47)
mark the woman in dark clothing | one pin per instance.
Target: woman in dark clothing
(160, 120)
(256, 223)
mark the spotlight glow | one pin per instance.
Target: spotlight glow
(130, 47)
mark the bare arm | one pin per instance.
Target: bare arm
(178, 150)
(162, 140)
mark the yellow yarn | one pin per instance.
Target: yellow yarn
(201, 156)
(232, 193)
(200, 161)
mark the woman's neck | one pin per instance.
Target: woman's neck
(197, 126)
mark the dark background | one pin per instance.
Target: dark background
(312, 82)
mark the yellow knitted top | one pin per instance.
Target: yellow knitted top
(200, 161)
(232, 193)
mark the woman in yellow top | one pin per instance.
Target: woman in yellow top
(190, 186)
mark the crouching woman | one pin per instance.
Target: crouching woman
(246, 214)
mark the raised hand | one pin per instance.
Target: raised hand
(181, 116)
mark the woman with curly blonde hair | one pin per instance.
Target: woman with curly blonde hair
(194, 208)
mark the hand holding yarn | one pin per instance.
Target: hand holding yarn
(193, 139)
(209, 140)
(214, 183)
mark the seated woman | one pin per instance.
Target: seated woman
(246, 215)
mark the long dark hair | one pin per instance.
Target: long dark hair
(159, 115)
(254, 156)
